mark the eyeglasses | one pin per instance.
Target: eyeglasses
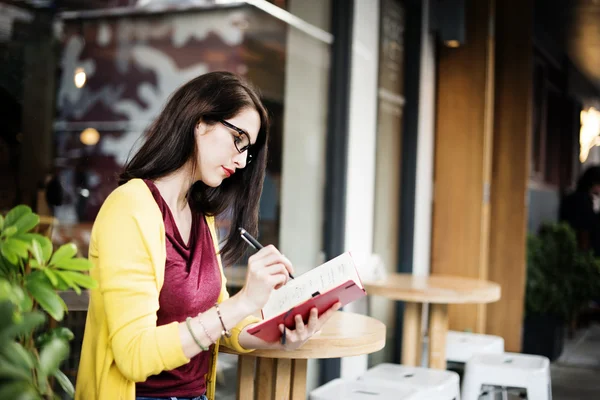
(241, 140)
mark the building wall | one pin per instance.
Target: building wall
(360, 178)
(303, 153)
(543, 207)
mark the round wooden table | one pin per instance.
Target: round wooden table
(282, 374)
(439, 291)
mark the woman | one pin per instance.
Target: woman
(580, 210)
(161, 309)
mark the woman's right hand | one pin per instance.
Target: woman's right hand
(268, 270)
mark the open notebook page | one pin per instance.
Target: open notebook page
(320, 279)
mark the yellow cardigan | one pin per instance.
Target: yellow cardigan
(122, 344)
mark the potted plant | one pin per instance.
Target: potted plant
(560, 280)
(31, 275)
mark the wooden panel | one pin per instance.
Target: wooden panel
(464, 115)
(245, 388)
(411, 335)
(38, 110)
(512, 129)
(265, 377)
(298, 389)
(283, 379)
(438, 330)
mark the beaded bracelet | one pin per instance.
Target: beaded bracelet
(189, 326)
(205, 330)
(225, 332)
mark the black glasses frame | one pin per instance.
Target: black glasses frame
(240, 132)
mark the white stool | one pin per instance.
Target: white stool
(342, 389)
(461, 346)
(509, 371)
(430, 384)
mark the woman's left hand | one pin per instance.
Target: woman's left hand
(294, 339)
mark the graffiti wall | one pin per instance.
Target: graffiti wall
(116, 74)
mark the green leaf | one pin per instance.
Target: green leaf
(34, 264)
(6, 289)
(76, 264)
(8, 253)
(15, 295)
(52, 354)
(44, 242)
(85, 281)
(51, 276)
(65, 383)
(19, 247)
(29, 322)
(64, 333)
(27, 222)
(47, 298)
(16, 214)
(46, 246)
(20, 390)
(1, 222)
(26, 302)
(36, 250)
(18, 356)
(61, 332)
(14, 374)
(62, 282)
(64, 252)
(7, 310)
(11, 230)
(5, 268)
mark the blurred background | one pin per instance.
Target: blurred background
(441, 136)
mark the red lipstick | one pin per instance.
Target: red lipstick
(228, 171)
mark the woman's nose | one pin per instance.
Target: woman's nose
(240, 159)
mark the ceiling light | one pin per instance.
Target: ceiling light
(89, 136)
(80, 77)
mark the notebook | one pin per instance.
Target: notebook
(321, 287)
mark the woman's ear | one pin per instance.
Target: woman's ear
(201, 128)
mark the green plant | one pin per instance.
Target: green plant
(31, 274)
(560, 277)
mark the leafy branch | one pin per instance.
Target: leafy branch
(31, 274)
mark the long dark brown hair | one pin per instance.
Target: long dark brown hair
(170, 143)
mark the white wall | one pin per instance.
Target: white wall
(425, 151)
(360, 180)
(305, 132)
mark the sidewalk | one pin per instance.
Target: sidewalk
(576, 374)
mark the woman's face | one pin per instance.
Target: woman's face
(218, 156)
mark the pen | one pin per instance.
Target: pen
(252, 242)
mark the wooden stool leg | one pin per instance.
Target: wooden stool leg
(283, 380)
(411, 334)
(265, 378)
(438, 329)
(245, 389)
(298, 389)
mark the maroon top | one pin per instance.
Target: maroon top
(192, 285)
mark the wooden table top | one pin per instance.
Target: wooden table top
(345, 334)
(74, 301)
(436, 289)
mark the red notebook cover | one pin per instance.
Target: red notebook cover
(347, 292)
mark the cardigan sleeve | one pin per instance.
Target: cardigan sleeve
(124, 237)
(232, 342)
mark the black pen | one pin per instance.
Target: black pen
(252, 242)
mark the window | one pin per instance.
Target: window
(554, 135)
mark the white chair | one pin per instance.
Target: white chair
(342, 389)
(507, 372)
(430, 384)
(461, 346)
